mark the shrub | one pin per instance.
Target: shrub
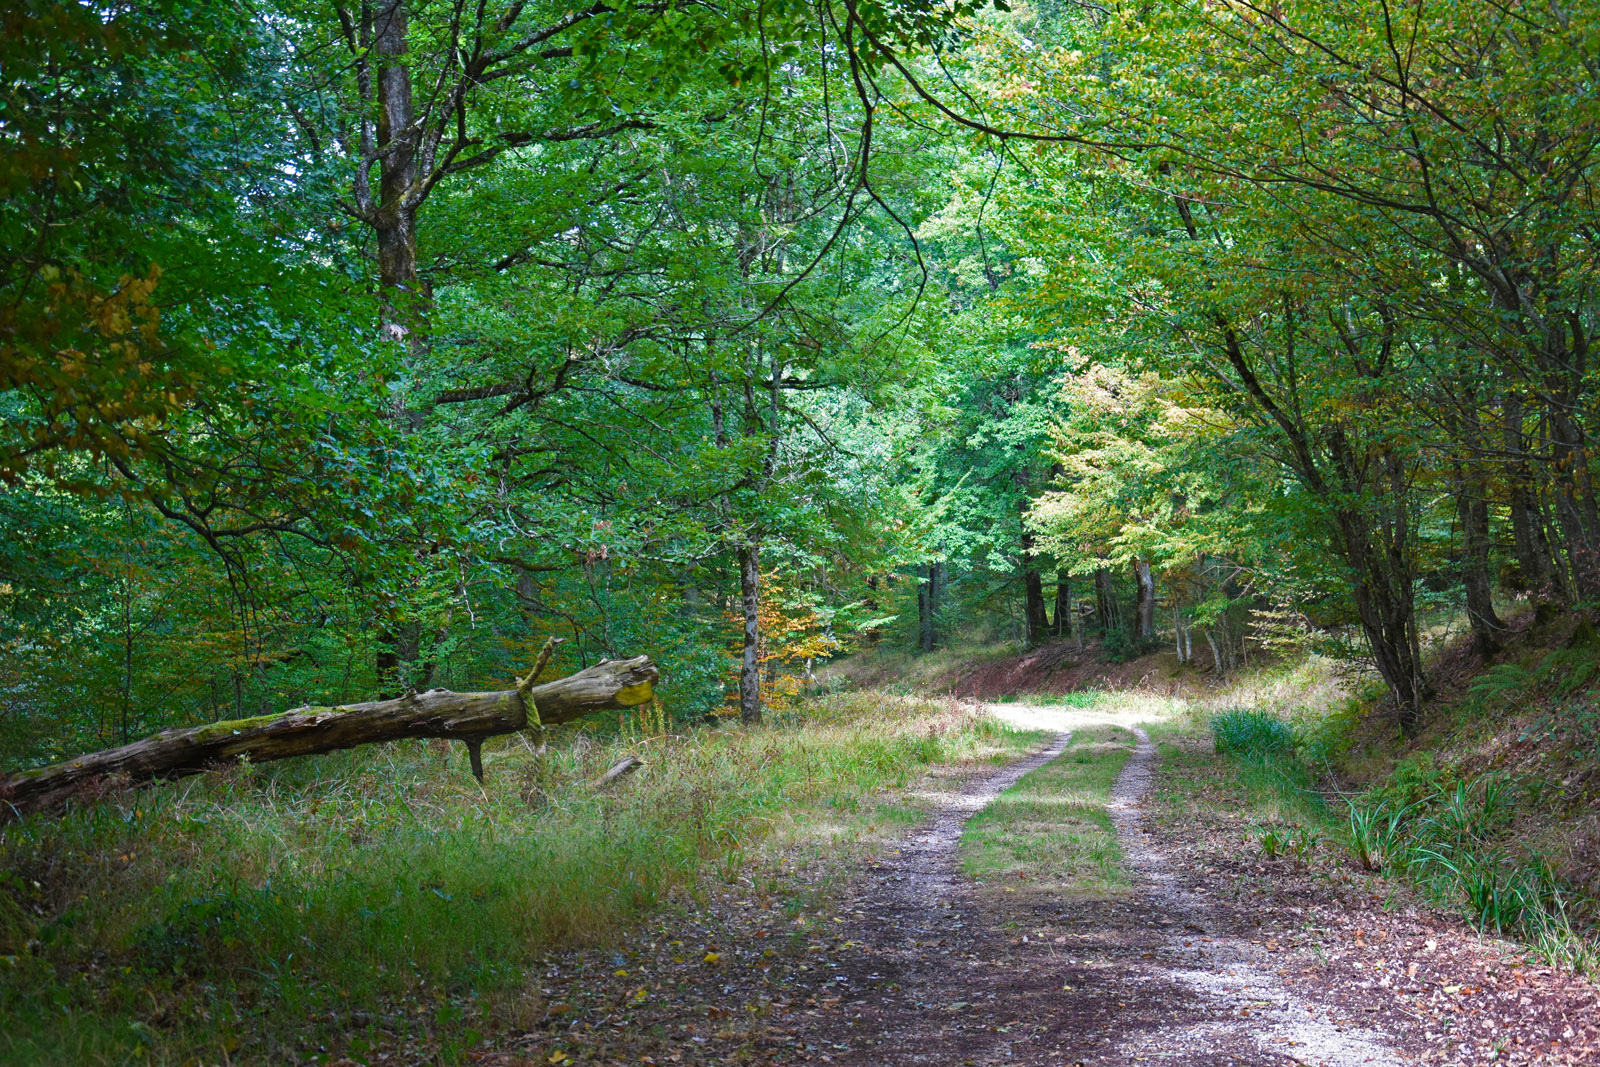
(1251, 734)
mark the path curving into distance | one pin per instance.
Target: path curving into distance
(943, 971)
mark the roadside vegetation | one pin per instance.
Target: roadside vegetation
(1489, 812)
(337, 904)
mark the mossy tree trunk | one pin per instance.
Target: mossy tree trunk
(304, 731)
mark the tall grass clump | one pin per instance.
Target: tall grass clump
(1451, 837)
(1262, 748)
(381, 897)
(1252, 734)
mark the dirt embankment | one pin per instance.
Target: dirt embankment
(1066, 666)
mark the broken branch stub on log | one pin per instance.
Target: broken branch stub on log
(618, 769)
(309, 730)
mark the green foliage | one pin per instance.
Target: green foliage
(1271, 840)
(1251, 734)
(1562, 671)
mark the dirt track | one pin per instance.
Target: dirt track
(950, 978)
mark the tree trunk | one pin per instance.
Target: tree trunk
(930, 595)
(304, 731)
(925, 615)
(1062, 624)
(750, 598)
(1038, 618)
(1385, 606)
(1145, 613)
(1035, 613)
(873, 634)
(1564, 370)
(403, 294)
(394, 217)
(1472, 506)
(1535, 570)
(1107, 613)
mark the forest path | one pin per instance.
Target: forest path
(949, 971)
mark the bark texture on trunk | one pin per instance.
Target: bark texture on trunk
(1038, 618)
(1386, 610)
(750, 665)
(1062, 623)
(930, 595)
(402, 292)
(1536, 570)
(1145, 613)
(1107, 613)
(305, 731)
(1472, 506)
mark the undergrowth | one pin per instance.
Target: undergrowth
(1262, 748)
(1451, 837)
(1448, 834)
(316, 908)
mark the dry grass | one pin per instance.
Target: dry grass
(267, 913)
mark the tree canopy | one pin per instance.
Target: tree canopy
(349, 348)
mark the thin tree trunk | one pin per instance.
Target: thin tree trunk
(1564, 369)
(1107, 613)
(750, 600)
(1473, 509)
(873, 634)
(1145, 613)
(930, 601)
(1535, 571)
(925, 614)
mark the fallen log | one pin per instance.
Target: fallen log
(619, 769)
(304, 731)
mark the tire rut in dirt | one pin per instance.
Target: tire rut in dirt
(1249, 1002)
(948, 972)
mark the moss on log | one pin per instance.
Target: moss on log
(304, 731)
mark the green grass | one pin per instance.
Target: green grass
(1448, 836)
(1051, 828)
(380, 896)
(1251, 734)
